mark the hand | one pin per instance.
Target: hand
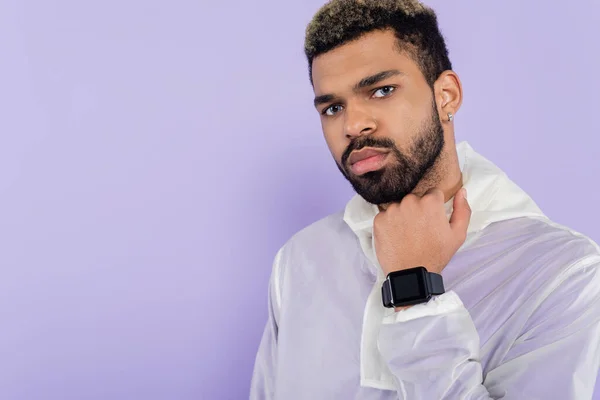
(416, 232)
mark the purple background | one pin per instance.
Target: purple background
(155, 155)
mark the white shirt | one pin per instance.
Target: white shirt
(520, 318)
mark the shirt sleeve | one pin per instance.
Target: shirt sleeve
(262, 386)
(433, 349)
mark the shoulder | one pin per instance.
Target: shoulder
(542, 240)
(326, 233)
(316, 244)
(524, 258)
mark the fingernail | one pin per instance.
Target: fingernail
(464, 192)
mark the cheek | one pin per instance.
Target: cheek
(335, 141)
(398, 120)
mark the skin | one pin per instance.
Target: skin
(413, 231)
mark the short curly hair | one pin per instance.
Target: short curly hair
(415, 26)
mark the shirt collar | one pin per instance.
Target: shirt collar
(491, 195)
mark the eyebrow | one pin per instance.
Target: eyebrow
(363, 83)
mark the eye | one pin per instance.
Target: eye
(384, 91)
(332, 110)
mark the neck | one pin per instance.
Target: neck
(444, 175)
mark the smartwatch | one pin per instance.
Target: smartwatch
(411, 286)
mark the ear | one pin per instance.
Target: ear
(448, 94)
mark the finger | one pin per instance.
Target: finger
(461, 215)
(435, 192)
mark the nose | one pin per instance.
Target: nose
(358, 122)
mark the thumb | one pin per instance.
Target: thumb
(459, 221)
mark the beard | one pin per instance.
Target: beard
(403, 171)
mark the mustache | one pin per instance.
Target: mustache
(368, 141)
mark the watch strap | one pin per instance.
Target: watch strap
(435, 283)
(386, 294)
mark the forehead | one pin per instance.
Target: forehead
(340, 68)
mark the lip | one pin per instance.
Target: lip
(367, 161)
(365, 153)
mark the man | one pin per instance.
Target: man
(508, 305)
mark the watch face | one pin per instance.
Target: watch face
(408, 285)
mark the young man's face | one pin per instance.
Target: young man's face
(394, 115)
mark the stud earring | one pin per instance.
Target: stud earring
(450, 117)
